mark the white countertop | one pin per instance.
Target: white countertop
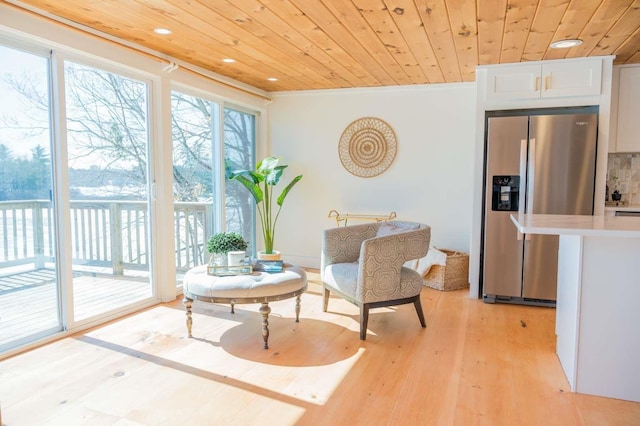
(594, 226)
(627, 208)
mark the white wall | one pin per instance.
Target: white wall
(430, 180)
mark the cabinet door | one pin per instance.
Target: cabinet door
(518, 81)
(571, 78)
(628, 139)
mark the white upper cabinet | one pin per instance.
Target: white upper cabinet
(628, 126)
(516, 81)
(551, 79)
(579, 78)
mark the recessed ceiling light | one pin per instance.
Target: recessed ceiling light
(162, 31)
(272, 79)
(228, 60)
(565, 44)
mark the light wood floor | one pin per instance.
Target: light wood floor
(473, 364)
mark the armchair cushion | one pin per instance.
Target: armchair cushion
(343, 277)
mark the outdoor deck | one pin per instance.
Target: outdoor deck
(29, 301)
(110, 254)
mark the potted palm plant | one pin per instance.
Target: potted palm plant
(260, 183)
(227, 246)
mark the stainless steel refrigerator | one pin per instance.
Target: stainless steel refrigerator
(539, 161)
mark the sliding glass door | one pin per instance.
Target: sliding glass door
(195, 134)
(29, 296)
(101, 168)
(75, 198)
(107, 146)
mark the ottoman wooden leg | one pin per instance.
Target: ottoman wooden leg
(298, 308)
(187, 303)
(265, 310)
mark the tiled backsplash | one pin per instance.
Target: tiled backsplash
(623, 174)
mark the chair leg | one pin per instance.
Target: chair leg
(364, 319)
(325, 300)
(418, 306)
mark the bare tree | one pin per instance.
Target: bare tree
(107, 126)
(191, 120)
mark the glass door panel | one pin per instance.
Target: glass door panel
(239, 152)
(107, 141)
(29, 296)
(195, 128)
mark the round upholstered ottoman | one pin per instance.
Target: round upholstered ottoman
(258, 287)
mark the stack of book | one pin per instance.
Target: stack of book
(270, 266)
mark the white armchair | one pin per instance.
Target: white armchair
(364, 265)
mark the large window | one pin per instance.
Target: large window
(28, 276)
(239, 153)
(107, 144)
(194, 129)
(80, 218)
(196, 132)
(102, 171)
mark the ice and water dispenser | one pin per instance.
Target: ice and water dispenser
(506, 193)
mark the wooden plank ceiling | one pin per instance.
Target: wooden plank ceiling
(323, 44)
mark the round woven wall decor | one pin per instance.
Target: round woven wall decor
(367, 147)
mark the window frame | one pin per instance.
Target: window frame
(28, 33)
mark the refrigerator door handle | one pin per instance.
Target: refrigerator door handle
(523, 174)
(531, 175)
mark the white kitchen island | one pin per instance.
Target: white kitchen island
(598, 300)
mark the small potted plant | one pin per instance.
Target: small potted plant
(260, 183)
(229, 245)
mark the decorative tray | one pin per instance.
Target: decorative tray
(227, 271)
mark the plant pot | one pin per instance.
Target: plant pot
(271, 256)
(235, 258)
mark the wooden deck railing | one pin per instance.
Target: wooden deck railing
(107, 234)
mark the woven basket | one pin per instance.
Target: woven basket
(453, 276)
